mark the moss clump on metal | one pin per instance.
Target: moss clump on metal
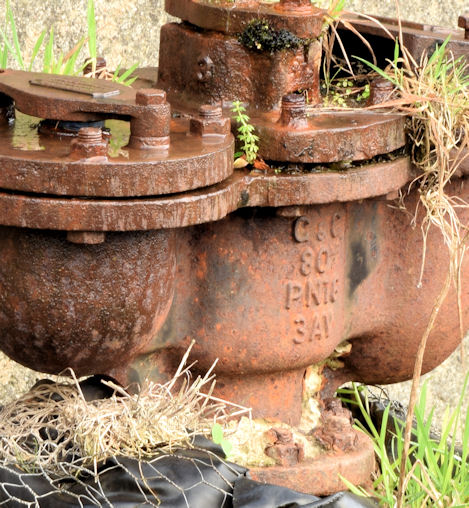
(260, 36)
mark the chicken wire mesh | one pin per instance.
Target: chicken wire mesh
(191, 478)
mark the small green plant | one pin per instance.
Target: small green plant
(246, 137)
(219, 439)
(437, 469)
(61, 63)
(92, 46)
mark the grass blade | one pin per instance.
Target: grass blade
(379, 71)
(36, 49)
(124, 77)
(49, 53)
(9, 46)
(92, 34)
(14, 34)
(71, 58)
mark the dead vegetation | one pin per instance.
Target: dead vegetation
(55, 427)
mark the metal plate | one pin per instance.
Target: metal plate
(98, 89)
(331, 136)
(31, 162)
(231, 17)
(61, 104)
(203, 205)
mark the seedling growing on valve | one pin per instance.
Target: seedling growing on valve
(246, 137)
(219, 439)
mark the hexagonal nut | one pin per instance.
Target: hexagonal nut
(210, 126)
(85, 150)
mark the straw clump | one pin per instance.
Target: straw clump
(55, 428)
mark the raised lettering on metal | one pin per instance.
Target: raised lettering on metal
(94, 88)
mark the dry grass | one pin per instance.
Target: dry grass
(53, 425)
(434, 94)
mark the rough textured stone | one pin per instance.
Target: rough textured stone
(128, 31)
(444, 385)
(433, 12)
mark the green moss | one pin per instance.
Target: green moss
(260, 36)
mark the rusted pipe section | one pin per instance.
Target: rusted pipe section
(122, 245)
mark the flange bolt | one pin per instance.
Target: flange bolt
(210, 122)
(293, 112)
(150, 127)
(101, 64)
(90, 135)
(209, 111)
(89, 143)
(381, 90)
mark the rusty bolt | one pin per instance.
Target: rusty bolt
(463, 22)
(100, 65)
(210, 121)
(284, 451)
(150, 97)
(150, 128)
(90, 135)
(89, 143)
(209, 111)
(381, 90)
(293, 112)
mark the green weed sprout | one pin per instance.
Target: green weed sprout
(437, 468)
(62, 63)
(245, 135)
(219, 439)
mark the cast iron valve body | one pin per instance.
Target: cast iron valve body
(115, 262)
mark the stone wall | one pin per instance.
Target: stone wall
(129, 30)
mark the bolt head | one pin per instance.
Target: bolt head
(150, 96)
(210, 111)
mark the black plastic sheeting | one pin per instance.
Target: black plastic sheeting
(194, 478)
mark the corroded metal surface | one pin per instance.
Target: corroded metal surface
(329, 136)
(213, 67)
(47, 164)
(325, 471)
(269, 295)
(418, 38)
(216, 68)
(117, 253)
(204, 205)
(88, 307)
(300, 18)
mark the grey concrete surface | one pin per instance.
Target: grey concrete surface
(444, 386)
(128, 31)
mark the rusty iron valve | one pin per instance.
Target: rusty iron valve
(121, 245)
